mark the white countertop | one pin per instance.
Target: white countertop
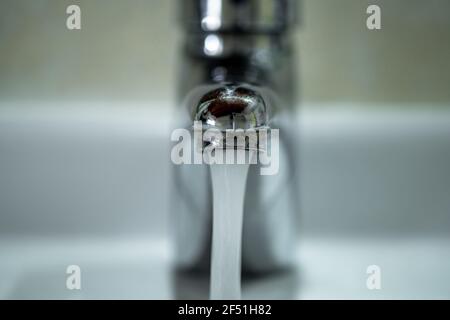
(141, 269)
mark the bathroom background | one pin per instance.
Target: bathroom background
(85, 122)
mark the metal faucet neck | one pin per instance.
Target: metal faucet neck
(238, 16)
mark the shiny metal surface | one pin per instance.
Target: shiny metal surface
(256, 16)
(238, 74)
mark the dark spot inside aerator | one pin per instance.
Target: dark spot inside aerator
(230, 100)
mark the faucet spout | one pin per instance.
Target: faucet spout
(232, 106)
(237, 73)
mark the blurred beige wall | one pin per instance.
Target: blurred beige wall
(127, 50)
(408, 60)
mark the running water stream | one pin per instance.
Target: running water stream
(228, 181)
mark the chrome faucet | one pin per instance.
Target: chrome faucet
(238, 67)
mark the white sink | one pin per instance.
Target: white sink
(90, 186)
(141, 269)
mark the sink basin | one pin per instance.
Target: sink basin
(141, 269)
(89, 185)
